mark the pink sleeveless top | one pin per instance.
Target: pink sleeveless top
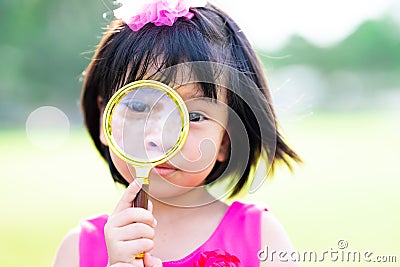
(238, 234)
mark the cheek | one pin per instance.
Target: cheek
(198, 153)
(123, 168)
(192, 148)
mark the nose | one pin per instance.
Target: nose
(158, 141)
(153, 135)
(152, 143)
(152, 146)
(156, 138)
(160, 133)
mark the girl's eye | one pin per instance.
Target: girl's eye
(195, 117)
(138, 106)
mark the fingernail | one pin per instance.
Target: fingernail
(155, 222)
(132, 184)
(139, 182)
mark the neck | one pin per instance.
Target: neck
(183, 204)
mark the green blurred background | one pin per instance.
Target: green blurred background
(338, 104)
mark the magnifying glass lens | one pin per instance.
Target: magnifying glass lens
(146, 124)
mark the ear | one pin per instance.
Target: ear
(224, 148)
(100, 105)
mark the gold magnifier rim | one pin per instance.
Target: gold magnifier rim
(122, 92)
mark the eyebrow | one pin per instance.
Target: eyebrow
(205, 99)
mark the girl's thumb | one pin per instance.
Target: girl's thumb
(150, 261)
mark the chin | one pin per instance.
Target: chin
(163, 190)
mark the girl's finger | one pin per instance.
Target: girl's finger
(121, 264)
(134, 231)
(131, 215)
(137, 263)
(127, 198)
(134, 247)
(126, 251)
(150, 261)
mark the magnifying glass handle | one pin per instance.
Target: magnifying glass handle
(141, 201)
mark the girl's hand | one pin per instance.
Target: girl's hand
(129, 231)
(148, 261)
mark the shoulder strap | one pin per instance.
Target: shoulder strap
(92, 244)
(240, 233)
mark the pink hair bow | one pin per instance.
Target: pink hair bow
(137, 13)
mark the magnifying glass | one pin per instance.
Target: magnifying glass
(145, 123)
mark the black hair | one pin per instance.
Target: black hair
(123, 56)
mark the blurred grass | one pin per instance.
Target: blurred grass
(347, 189)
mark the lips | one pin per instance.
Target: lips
(165, 169)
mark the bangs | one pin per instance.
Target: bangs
(152, 53)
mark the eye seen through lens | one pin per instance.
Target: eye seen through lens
(146, 123)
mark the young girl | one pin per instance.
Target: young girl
(199, 51)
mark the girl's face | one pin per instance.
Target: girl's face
(206, 144)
